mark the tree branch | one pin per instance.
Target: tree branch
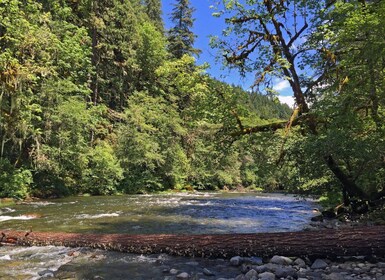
(292, 40)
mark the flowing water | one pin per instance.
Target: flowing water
(177, 213)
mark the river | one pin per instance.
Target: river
(140, 214)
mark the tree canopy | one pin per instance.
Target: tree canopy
(332, 56)
(94, 101)
(96, 97)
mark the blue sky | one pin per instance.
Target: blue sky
(206, 25)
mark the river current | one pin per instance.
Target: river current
(142, 214)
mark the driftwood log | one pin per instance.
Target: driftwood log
(356, 241)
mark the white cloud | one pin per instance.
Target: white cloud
(289, 100)
(284, 84)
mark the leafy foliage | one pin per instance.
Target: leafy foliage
(14, 182)
(96, 97)
(332, 56)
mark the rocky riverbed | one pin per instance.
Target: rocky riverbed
(51, 262)
(278, 267)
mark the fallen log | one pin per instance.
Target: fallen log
(355, 241)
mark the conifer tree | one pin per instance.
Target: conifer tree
(153, 9)
(181, 38)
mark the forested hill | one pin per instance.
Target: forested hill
(97, 97)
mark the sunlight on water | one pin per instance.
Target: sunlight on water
(177, 213)
(26, 263)
(180, 213)
(8, 218)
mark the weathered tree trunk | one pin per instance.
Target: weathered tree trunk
(325, 243)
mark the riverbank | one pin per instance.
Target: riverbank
(82, 263)
(375, 217)
(125, 213)
(279, 267)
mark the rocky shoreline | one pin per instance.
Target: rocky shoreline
(254, 268)
(280, 267)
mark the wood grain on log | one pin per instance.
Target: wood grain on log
(324, 243)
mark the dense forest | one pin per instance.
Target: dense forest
(98, 97)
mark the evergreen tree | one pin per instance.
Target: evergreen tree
(90, 102)
(181, 38)
(153, 9)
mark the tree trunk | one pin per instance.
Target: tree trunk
(95, 62)
(348, 186)
(324, 243)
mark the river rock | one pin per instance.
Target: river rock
(300, 263)
(318, 218)
(173, 271)
(261, 268)
(381, 264)
(266, 267)
(281, 260)
(246, 268)
(266, 276)
(319, 264)
(236, 261)
(251, 274)
(253, 260)
(183, 276)
(316, 275)
(241, 277)
(208, 272)
(284, 272)
(334, 276)
(46, 273)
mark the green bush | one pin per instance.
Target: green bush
(14, 182)
(104, 171)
